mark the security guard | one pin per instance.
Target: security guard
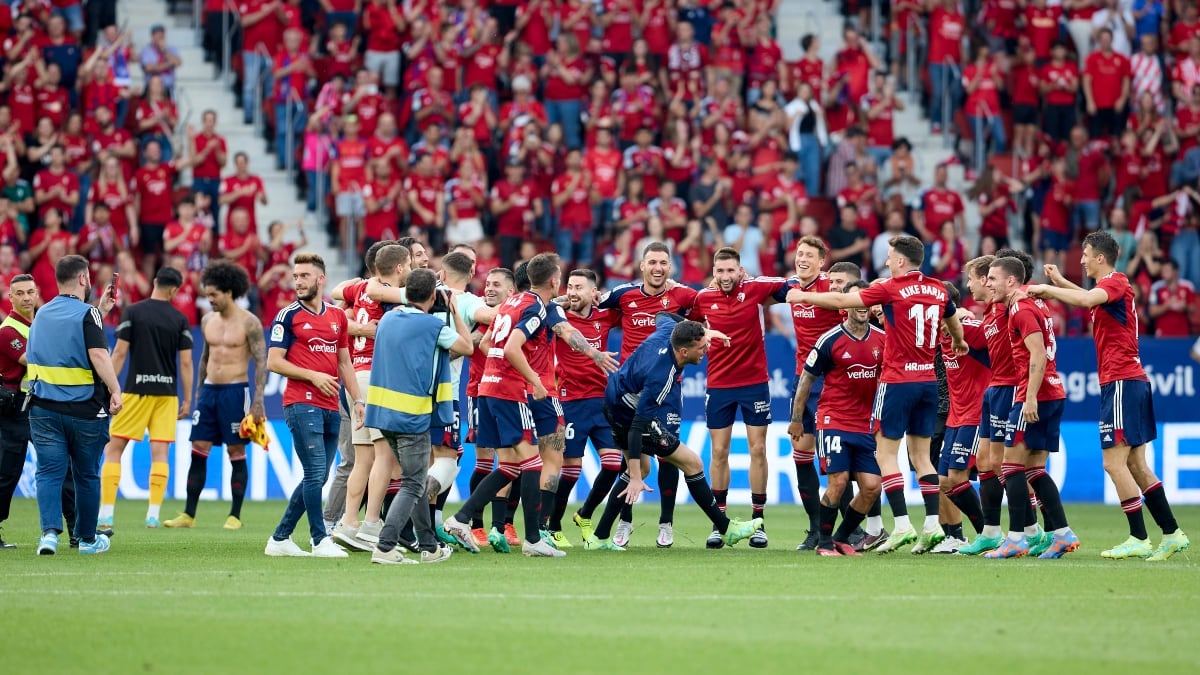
(14, 417)
(74, 390)
(411, 391)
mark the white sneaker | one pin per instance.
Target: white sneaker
(624, 531)
(346, 536)
(461, 532)
(440, 555)
(284, 549)
(542, 549)
(949, 545)
(392, 557)
(666, 535)
(369, 532)
(328, 549)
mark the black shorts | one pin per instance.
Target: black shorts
(657, 440)
(1025, 114)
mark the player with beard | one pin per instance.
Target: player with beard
(1033, 425)
(420, 254)
(1127, 402)
(810, 323)
(850, 355)
(498, 287)
(914, 306)
(581, 390)
(635, 305)
(233, 337)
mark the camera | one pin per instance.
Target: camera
(441, 301)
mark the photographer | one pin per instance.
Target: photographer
(410, 392)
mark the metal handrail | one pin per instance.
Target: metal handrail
(947, 111)
(260, 86)
(979, 137)
(228, 27)
(289, 137)
(184, 110)
(876, 18)
(913, 29)
(198, 22)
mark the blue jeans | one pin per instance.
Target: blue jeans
(602, 215)
(809, 169)
(982, 127)
(85, 186)
(567, 113)
(208, 186)
(311, 192)
(936, 72)
(348, 18)
(1185, 249)
(1087, 215)
(314, 436)
(253, 65)
(164, 144)
(572, 252)
(880, 154)
(282, 130)
(59, 439)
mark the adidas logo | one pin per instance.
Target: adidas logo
(714, 305)
(1008, 437)
(307, 326)
(1107, 438)
(845, 355)
(633, 305)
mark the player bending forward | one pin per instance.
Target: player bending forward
(644, 402)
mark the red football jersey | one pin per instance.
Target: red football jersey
(810, 321)
(1025, 318)
(967, 376)
(739, 315)
(578, 376)
(636, 310)
(312, 340)
(1115, 329)
(995, 331)
(913, 306)
(361, 309)
(851, 368)
(542, 359)
(524, 312)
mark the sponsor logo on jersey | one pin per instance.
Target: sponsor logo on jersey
(911, 367)
(319, 346)
(277, 333)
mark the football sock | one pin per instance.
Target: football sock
(499, 512)
(964, 497)
(874, 524)
(612, 507)
(1031, 513)
(238, 477)
(720, 496)
(158, 487)
(1133, 512)
(1018, 498)
(809, 486)
(566, 485)
(626, 511)
(393, 489)
(829, 516)
(991, 493)
(1047, 492)
(531, 479)
(758, 501)
(702, 494)
(668, 487)
(851, 522)
(196, 478)
(876, 509)
(1160, 508)
(546, 499)
(110, 478)
(893, 487)
(931, 493)
(955, 530)
(495, 481)
(440, 505)
(847, 497)
(514, 502)
(610, 468)
(477, 477)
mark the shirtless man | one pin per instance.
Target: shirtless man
(232, 337)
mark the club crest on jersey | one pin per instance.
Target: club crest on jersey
(875, 352)
(16, 345)
(334, 326)
(741, 297)
(596, 325)
(666, 302)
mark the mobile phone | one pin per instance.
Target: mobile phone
(112, 286)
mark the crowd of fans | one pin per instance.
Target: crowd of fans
(594, 127)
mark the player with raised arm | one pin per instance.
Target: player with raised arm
(967, 376)
(233, 338)
(581, 390)
(1127, 402)
(737, 376)
(914, 307)
(644, 403)
(636, 304)
(849, 357)
(810, 322)
(1033, 424)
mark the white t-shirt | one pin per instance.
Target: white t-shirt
(749, 249)
(468, 304)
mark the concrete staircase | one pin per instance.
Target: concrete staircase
(197, 90)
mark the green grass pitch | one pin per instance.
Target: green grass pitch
(208, 601)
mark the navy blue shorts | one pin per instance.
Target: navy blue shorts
(1043, 435)
(846, 451)
(472, 418)
(447, 437)
(997, 404)
(585, 420)
(503, 424)
(721, 406)
(547, 415)
(658, 440)
(810, 406)
(1055, 241)
(1127, 414)
(905, 408)
(219, 412)
(958, 448)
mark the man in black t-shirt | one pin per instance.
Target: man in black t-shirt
(848, 242)
(157, 339)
